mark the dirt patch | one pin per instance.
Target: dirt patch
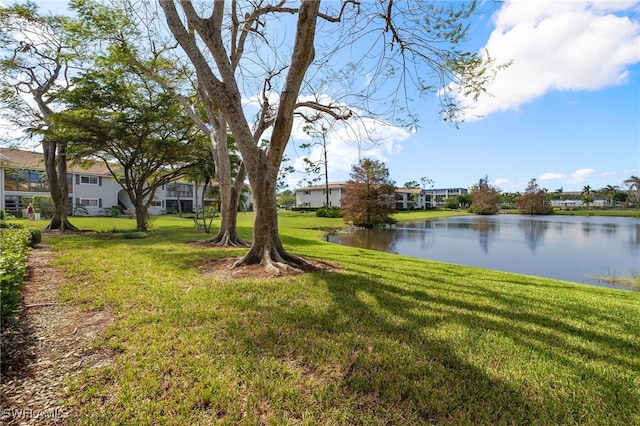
(223, 269)
(51, 344)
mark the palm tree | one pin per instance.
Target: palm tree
(608, 192)
(586, 195)
(634, 189)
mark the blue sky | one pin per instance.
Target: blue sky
(566, 112)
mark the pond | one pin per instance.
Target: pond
(572, 248)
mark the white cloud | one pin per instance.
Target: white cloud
(346, 144)
(566, 45)
(552, 176)
(501, 182)
(579, 176)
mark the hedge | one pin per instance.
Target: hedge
(15, 243)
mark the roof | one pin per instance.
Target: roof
(35, 160)
(332, 185)
(409, 190)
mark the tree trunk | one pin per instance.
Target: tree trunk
(141, 216)
(266, 248)
(56, 166)
(229, 201)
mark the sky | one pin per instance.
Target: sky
(565, 112)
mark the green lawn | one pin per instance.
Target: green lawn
(385, 340)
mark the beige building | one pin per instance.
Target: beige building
(23, 176)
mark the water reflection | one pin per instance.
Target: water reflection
(484, 227)
(533, 231)
(634, 239)
(565, 247)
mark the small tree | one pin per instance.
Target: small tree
(369, 197)
(140, 133)
(534, 200)
(485, 197)
(452, 203)
(286, 198)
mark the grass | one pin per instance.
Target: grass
(627, 278)
(385, 340)
(600, 212)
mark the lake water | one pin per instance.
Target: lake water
(572, 248)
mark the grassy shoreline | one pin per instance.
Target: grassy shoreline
(386, 339)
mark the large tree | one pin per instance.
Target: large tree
(215, 39)
(485, 198)
(368, 199)
(534, 200)
(138, 130)
(37, 58)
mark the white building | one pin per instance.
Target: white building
(316, 196)
(406, 198)
(439, 196)
(412, 199)
(23, 176)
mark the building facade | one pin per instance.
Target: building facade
(406, 198)
(439, 196)
(23, 176)
(316, 196)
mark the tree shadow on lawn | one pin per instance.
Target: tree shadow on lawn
(413, 359)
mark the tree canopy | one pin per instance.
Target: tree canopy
(37, 57)
(236, 45)
(368, 199)
(485, 198)
(534, 201)
(137, 129)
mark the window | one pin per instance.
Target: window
(89, 202)
(156, 203)
(25, 180)
(179, 190)
(89, 180)
(306, 192)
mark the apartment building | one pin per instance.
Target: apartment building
(23, 176)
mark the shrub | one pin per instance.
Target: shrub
(13, 256)
(44, 205)
(36, 236)
(329, 212)
(10, 225)
(113, 211)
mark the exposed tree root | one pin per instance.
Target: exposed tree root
(226, 239)
(60, 225)
(274, 260)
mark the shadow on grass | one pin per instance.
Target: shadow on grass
(426, 355)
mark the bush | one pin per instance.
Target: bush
(44, 205)
(329, 212)
(13, 257)
(36, 236)
(10, 225)
(113, 211)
